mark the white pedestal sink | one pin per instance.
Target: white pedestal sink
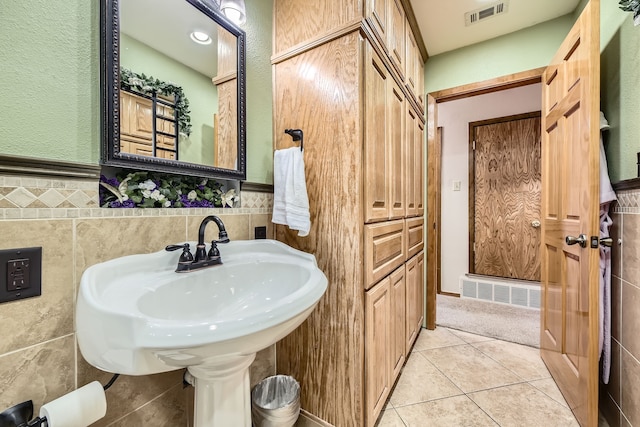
(135, 315)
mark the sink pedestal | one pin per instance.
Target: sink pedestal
(223, 395)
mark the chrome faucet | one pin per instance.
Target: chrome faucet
(203, 258)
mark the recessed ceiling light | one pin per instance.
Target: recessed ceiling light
(200, 37)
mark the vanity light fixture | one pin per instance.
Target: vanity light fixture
(200, 37)
(234, 10)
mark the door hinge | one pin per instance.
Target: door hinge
(474, 246)
(474, 145)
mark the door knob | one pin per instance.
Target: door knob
(535, 223)
(581, 240)
(606, 241)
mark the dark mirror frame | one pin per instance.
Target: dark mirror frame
(110, 103)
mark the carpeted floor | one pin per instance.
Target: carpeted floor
(505, 322)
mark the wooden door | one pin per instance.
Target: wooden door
(505, 194)
(396, 175)
(378, 349)
(570, 187)
(412, 297)
(377, 12)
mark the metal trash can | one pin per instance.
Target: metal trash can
(275, 402)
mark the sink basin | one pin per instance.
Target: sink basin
(135, 315)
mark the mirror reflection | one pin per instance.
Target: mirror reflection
(178, 89)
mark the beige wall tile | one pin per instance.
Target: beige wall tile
(102, 239)
(631, 249)
(616, 249)
(168, 410)
(631, 319)
(260, 220)
(128, 393)
(40, 373)
(609, 410)
(616, 307)
(237, 227)
(34, 320)
(630, 395)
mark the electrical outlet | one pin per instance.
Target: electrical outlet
(260, 232)
(20, 273)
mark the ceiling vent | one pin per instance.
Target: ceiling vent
(486, 12)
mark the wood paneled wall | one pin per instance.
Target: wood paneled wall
(332, 384)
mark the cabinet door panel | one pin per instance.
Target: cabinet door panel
(396, 39)
(397, 148)
(376, 163)
(418, 179)
(410, 163)
(378, 16)
(377, 355)
(398, 322)
(415, 235)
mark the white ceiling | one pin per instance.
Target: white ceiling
(443, 27)
(166, 25)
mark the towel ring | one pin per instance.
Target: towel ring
(297, 135)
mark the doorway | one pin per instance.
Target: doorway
(435, 277)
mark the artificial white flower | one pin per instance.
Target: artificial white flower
(229, 198)
(204, 181)
(147, 185)
(122, 188)
(155, 195)
(192, 195)
(146, 194)
(167, 204)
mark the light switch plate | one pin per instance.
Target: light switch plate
(457, 185)
(20, 273)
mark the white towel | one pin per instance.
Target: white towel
(607, 195)
(290, 199)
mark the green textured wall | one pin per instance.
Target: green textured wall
(201, 93)
(523, 50)
(50, 82)
(49, 79)
(620, 89)
(259, 106)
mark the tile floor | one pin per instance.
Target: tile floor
(454, 378)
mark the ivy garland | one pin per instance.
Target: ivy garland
(148, 85)
(631, 6)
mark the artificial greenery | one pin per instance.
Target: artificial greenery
(148, 85)
(159, 190)
(631, 6)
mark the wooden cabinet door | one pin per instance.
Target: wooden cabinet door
(377, 355)
(410, 127)
(398, 322)
(396, 40)
(376, 163)
(418, 171)
(410, 58)
(397, 148)
(419, 307)
(413, 304)
(377, 14)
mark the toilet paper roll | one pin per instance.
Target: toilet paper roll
(79, 408)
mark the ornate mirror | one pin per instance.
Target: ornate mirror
(173, 88)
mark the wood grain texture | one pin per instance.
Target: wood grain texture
(508, 81)
(299, 21)
(397, 33)
(432, 232)
(506, 192)
(377, 13)
(384, 249)
(570, 182)
(414, 299)
(415, 236)
(379, 318)
(398, 322)
(397, 147)
(227, 127)
(377, 165)
(227, 54)
(326, 353)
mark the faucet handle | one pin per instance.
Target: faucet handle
(186, 255)
(214, 252)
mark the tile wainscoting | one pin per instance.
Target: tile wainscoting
(39, 359)
(620, 399)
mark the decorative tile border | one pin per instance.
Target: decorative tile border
(628, 201)
(23, 197)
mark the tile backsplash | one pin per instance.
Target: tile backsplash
(39, 359)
